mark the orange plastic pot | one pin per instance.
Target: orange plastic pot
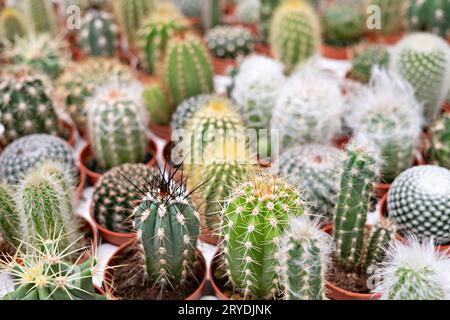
(446, 107)
(115, 238)
(222, 66)
(387, 39)
(71, 130)
(164, 132)
(336, 53)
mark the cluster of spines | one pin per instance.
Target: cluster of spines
(438, 146)
(229, 41)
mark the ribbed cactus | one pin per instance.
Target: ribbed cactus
(392, 16)
(438, 146)
(114, 198)
(185, 111)
(387, 112)
(365, 59)
(230, 41)
(80, 80)
(254, 219)
(248, 11)
(9, 219)
(424, 60)
(294, 33)
(304, 258)
(316, 169)
(266, 12)
(117, 124)
(190, 8)
(308, 109)
(419, 203)
(429, 15)
(98, 34)
(33, 150)
(414, 271)
(13, 25)
(26, 106)
(157, 105)
(211, 13)
(41, 15)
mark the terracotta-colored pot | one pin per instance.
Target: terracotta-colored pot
(263, 49)
(223, 65)
(387, 39)
(336, 53)
(115, 238)
(380, 189)
(93, 177)
(71, 130)
(81, 184)
(341, 141)
(164, 132)
(111, 266)
(212, 269)
(206, 235)
(446, 107)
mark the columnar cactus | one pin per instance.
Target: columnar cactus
(190, 8)
(33, 150)
(13, 25)
(254, 219)
(230, 41)
(438, 146)
(117, 124)
(414, 271)
(26, 106)
(248, 11)
(392, 16)
(41, 15)
(157, 104)
(429, 15)
(114, 198)
(187, 68)
(98, 34)
(266, 11)
(294, 33)
(419, 203)
(316, 169)
(9, 220)
(387, 112)
(424, 60)
(304, 258)
(365, 59)
(211, 13)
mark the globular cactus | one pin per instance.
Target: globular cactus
(114, 198)
(248, 11)
(98, 34)
(309, 109)
(266, 12)
(424, 60)
(255, 217)
(157, 104)
(13, 25)
(387, 113)
(429, 15)
(419, 203)
(316, 169)
(190, 8)
(438, 146)
(117, 124)
(33, 150)
(26, 106)
(365, 59)
(230, 41)
(186, 110)
(304, 257)
(414, 271)
(80, 80)
(9, 219)
(392, 15)
(187, 68)
(294, 33)
(41, 15)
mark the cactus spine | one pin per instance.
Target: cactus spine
(13, 25)
(438, 147)
(429, 15)
(41, 15)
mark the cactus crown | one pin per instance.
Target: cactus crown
(229, 41)
(438, 147)
(365, 59)
(13, 25)
(429, 15)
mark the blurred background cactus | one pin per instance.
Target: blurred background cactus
(190, 8)
(157, 104)
(40, 15)
(438, 146)
(365, 59)
(266, 12)
(230, 41)
(211, 13)
(13, 25)
(392, 16)
(429, 15)
(248, 11)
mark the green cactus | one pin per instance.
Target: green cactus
(117, 124)
(248, 11)
(98, 34)
(187, 68)
(294, 33)
(41, 15)
(211, 13)
(304, 258)
(429, 15)
(9, 219)
(438, 146)
(254, 220)
(266, 12)
(419, 203)
(190, 8)
(114, 198)
(26, 106)
(424, 60)
(13, 25)
(33, 150)
(230, 41)
(392, 15)
(365, 59)
(159, 109)
(316, 169)
(186, 110)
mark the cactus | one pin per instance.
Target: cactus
(365, 59)
(98, 34)
(114, 198)
(266, 12)
(163, 24)
(247, 11)
(414, 271)
(387, 112)
(419, 203)
(304, 256)
(392, 15)
(229, 41)
(211, 13)
(41, 273)
(33, 150)
(40, 15)
(130, 15)
(308, 109)
(187, 68)
(190, 8)
(26, 106)
(159, 109)
(13, 25)
(117, 124)
(424, 60)
(9, 220)
(316, 169)
(185, 111)
(438, 146)
(254, 219)
(294, 33)
(429, 15)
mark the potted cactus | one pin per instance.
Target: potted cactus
(429, 16)
(392, 21)
(437, 149)
(364, 59)
(159, 108)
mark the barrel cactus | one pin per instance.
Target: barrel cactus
(254, 219)
(186, 110)
(392, 16)
(316, 169)
(424, 60)
(157, 104)
(438, 146)
(229, 41)
(247, 11)
(365, 59)
(418, 203)
(294, 33)
(429, 15)
(190, 8)
(26, 106)
(13, 25)
(41, 15)
(266, 12)
(117, 124)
